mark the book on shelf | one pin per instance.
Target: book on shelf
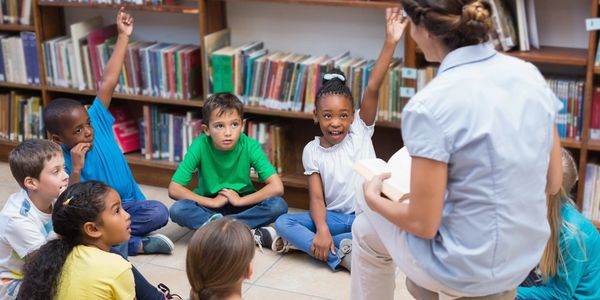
(272, 138)
(570, 92)
(135, 2)
(290, 81)
(20, 117)
(79, 32)
(125, 129)
(167, 134)
(591, 194)
(15, 12)
(397, 186)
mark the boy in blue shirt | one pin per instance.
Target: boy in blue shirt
(91, 152)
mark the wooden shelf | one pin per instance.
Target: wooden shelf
(146, 99)
(8, 143)
(345, 3)
(11, 85)
(593, 145)
(554, 55)
(571, 143)
(179, 9)
(16, 27)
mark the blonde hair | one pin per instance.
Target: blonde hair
(219, 255)
(553, 256)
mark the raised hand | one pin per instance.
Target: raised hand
(395, 24)
(124, 22)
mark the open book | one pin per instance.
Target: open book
(397, 187)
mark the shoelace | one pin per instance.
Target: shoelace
(257, 239)
(165, 290)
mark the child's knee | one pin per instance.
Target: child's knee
(277, 206)
(177, 211)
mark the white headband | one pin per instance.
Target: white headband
(333, 75)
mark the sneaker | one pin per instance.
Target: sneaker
(165, 290)
(213, 218)
(157, 243)
(282, 246)
(264, 236)
(344, 253)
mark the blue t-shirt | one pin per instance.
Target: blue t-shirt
(105, 161)
(579, 278)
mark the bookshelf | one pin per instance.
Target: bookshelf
(49, 22)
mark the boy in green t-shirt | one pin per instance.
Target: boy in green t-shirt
(223, 157)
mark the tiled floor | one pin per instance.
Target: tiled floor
(291, 276)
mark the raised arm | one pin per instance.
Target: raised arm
(394, 28)
(111, 72)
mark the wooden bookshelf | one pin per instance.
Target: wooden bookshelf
(5, 147)
(554, 55)
(20, 86)
(178, 9)
(16, 27)
(344, 3)
(571, 143)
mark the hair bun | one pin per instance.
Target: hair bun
(476, 12)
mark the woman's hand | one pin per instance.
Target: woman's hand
(372, 190)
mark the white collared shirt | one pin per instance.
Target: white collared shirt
(490, 117)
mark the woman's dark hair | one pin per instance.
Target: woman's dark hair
(334, 83)
(457, 23)
(77, 205)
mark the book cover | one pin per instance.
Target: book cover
(213, 42)
(125, 129)
(95, 38)
(79, 31)
(397, 187)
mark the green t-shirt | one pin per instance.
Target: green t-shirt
(223, 169)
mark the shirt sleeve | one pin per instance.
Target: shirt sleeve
(189, 164)
(24, 237)
(566, 280)
(359, 127)
(124, 285)
(308, 159)
(101, 118)
(423, 135)
(259, 161)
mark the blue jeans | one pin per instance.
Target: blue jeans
(146, 216)
(299, 229)
(190, 214)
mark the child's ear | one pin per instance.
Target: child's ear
(205, 129)
(30, 183)
(91, 229)
(315, 119)
(250, 271)
(55, 138)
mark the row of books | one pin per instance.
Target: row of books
(290, 81)
(515, 24)
(150, 68)
(19, 58)
(166, 135)
(20, 117)
(570, 92)
(591, 193)
(15, 12)
(271, 137)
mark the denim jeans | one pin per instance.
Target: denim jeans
(299, 229)
(146, 216)
(190, 214)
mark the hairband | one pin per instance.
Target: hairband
(333, 75)
(67, 201)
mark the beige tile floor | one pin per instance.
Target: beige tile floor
(290, 276)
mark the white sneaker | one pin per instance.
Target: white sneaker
(264, 236)
(282, 246)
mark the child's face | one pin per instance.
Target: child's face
(53, 179)
(225, 129)
(334, 114)
(116, 222)
(76, 128)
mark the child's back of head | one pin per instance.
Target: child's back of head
(219, 259)
(29, 158)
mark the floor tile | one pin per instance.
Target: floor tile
(260, 293)
(299, 273)
(175, 260)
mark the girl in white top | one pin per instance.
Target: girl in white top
(325, 232)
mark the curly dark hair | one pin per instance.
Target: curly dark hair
(54, 113)
(334, 86)
(77, 205)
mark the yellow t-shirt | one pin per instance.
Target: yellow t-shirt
(90, 273)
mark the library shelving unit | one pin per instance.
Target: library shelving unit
(49, 22)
